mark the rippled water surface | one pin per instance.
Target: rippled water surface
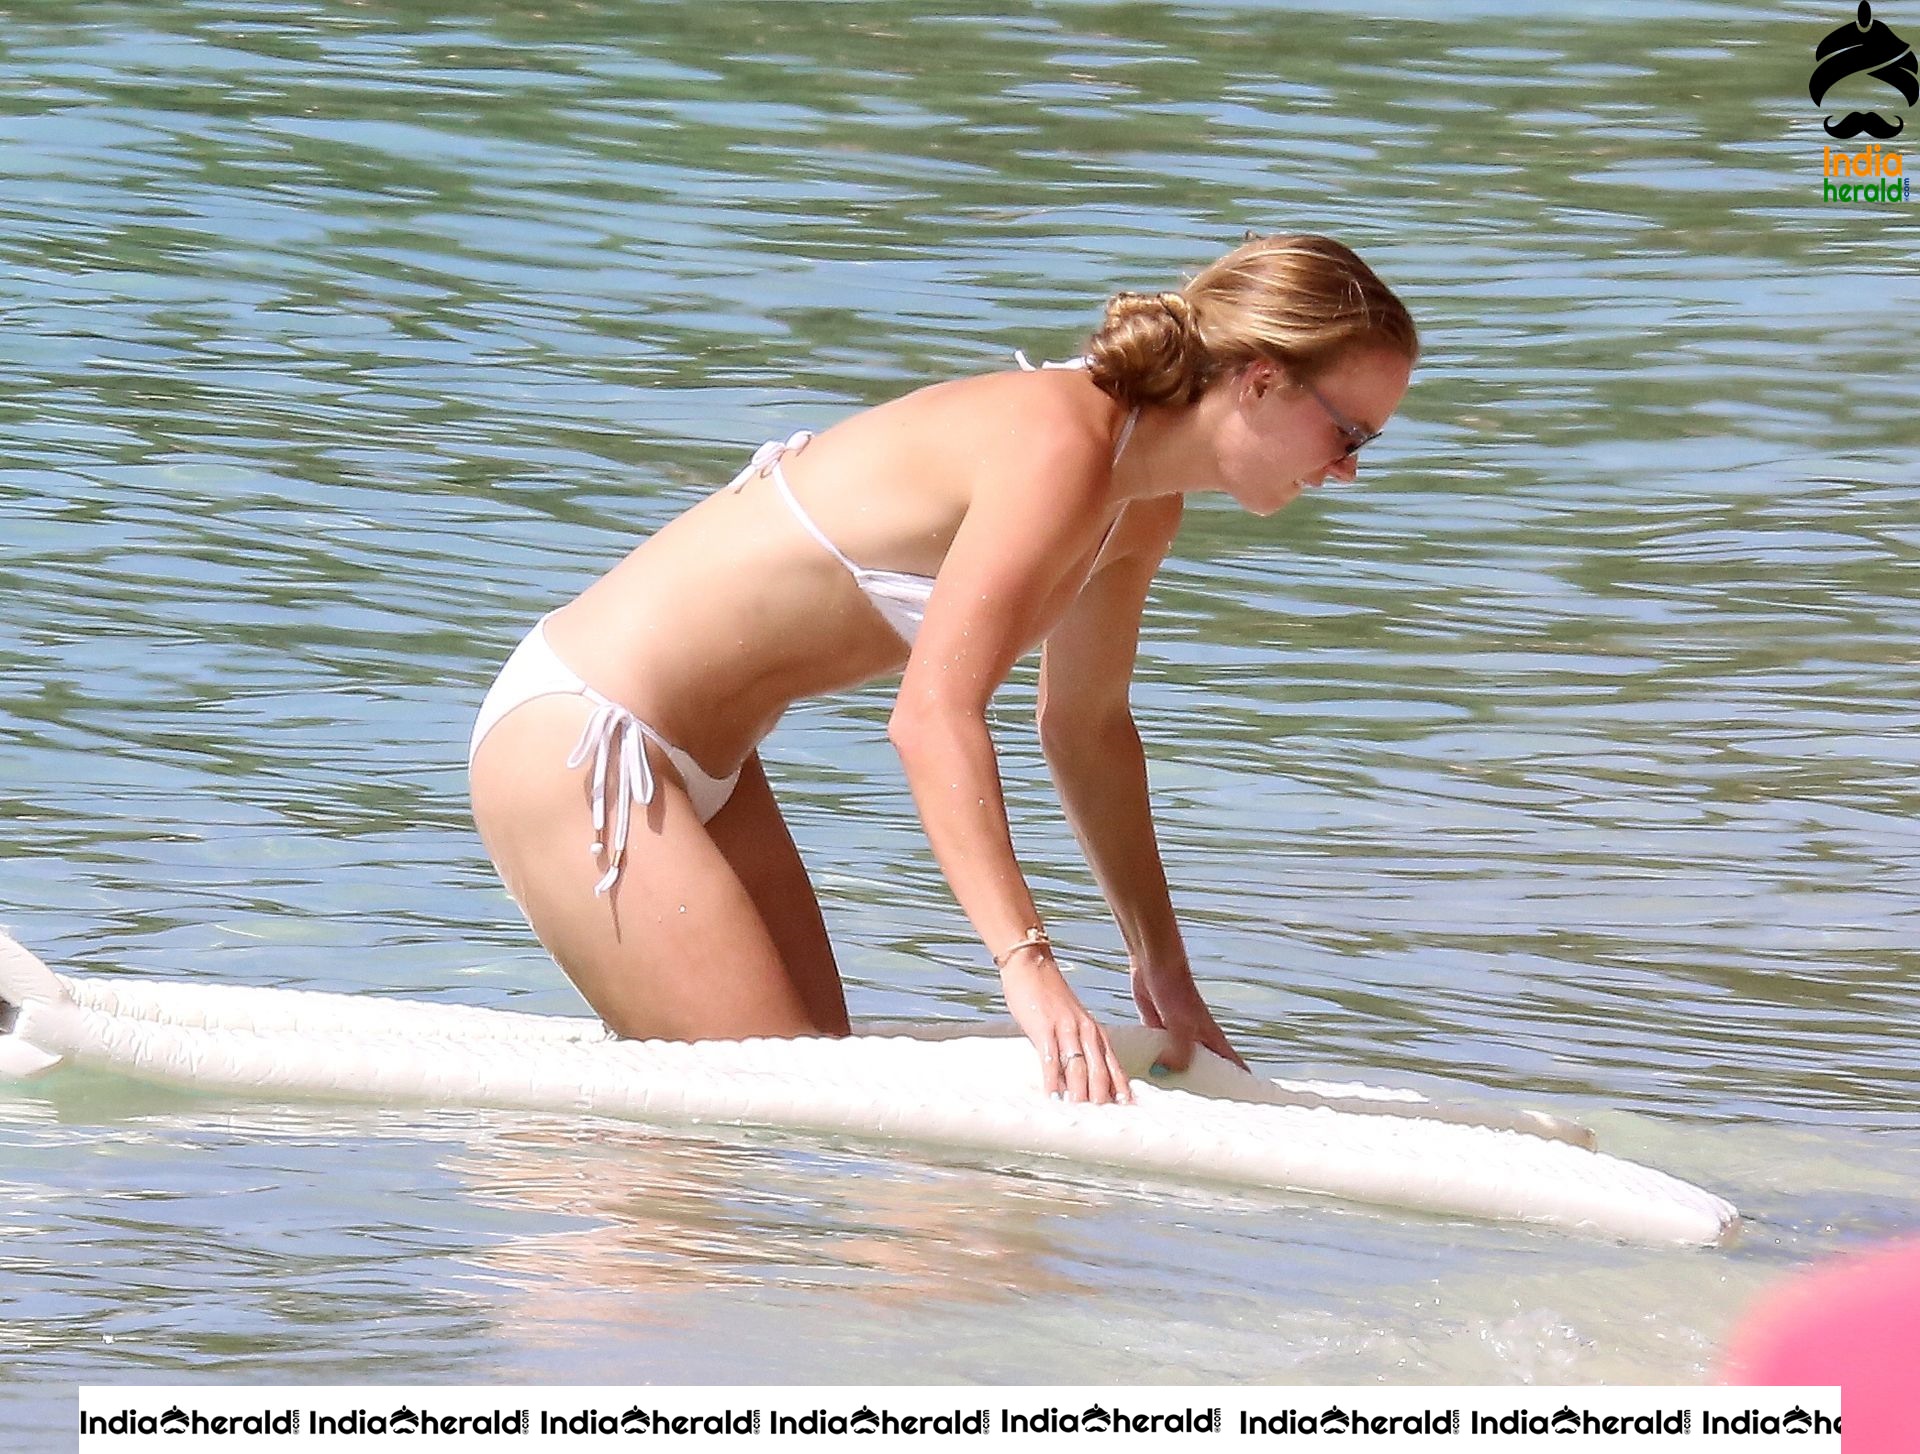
(1571, 760)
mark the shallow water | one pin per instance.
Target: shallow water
(1570, 761)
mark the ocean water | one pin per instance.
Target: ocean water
(1569, 761)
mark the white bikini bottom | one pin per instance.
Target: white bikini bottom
(613, 738)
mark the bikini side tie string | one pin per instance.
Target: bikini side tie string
(632, 779)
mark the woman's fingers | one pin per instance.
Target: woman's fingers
(1079, 1087)
(1215, 1039)
(1209, 1034)
(1087, 1070)
(1076, 1061)
(1184, 1037)
(1177, 1008)
(1177, 1054)
(1117, 1074)
(1106, 1079)
(1053, 1059)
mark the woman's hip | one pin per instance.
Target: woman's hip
(615, 753)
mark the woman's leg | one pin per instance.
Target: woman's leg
(752, 835)
(677, 947)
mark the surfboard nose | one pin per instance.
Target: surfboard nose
(23, 977)
(24, 980)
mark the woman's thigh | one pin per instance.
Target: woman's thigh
(753, 836)
(677, 947)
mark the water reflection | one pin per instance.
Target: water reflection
(672, 1213)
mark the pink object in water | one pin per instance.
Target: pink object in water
(1853, 1321)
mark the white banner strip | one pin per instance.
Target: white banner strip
(123, 1420)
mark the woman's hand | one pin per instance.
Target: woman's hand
(1169, 1000)
(1076, 1062)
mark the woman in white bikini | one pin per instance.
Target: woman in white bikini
(615, 779)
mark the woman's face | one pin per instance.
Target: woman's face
(1283, 433)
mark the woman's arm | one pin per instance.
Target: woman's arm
(1024, 542)
(1094, 753)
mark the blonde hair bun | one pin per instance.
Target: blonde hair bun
(1149, 349)
(1298, 300)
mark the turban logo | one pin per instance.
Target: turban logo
(1867, 45)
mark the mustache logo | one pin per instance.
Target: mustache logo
(1870, 122)
(1868, 47)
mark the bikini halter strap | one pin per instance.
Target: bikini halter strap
(1133, 414)
(768, 455)
(1020, 357)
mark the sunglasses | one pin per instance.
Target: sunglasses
(1357, 436)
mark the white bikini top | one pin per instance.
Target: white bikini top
(900, 597)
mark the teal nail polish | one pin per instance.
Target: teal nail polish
(1158, 1071)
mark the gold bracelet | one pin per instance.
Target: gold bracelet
(1034, 938)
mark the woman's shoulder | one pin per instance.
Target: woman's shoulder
(1051, 420)
(1001, 441)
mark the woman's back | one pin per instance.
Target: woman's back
(733, 610)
